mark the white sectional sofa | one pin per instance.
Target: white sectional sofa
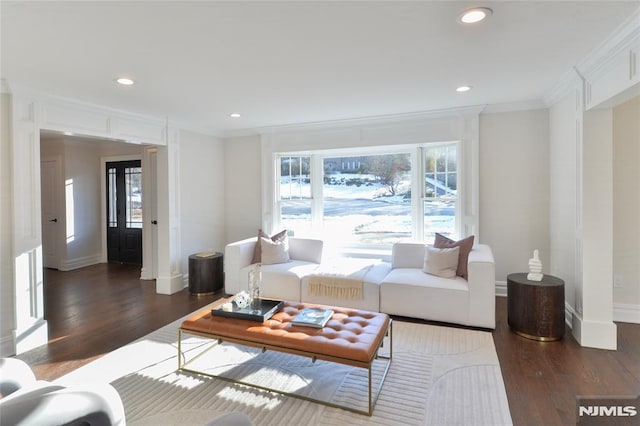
(397, 288)
(407, 291)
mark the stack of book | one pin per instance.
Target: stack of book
(312, 317)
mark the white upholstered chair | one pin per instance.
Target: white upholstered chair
(28, 401)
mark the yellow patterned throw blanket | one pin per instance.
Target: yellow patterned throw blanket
(341, 278)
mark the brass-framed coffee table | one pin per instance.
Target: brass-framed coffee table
(351, 337)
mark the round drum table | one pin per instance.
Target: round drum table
(205, 273)
(536, 308)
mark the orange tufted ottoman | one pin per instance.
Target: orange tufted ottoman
(351, 337)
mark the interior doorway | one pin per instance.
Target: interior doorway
(124, 211)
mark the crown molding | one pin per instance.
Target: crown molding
(567, 83)
(194, 128)
(395, 118)
(46, 97)
(515, 106)
(597, 61)
(466, 111)
(623, 38)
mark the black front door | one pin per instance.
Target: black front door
(124, 212)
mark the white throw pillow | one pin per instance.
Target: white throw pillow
(442, 262)
(274, 251)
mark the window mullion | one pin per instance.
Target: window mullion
(460, 189)
(277, 207)
(417, 188)
(316, 174)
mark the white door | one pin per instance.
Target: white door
(51, 220)
(153, 204)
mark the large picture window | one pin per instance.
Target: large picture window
(355, 199)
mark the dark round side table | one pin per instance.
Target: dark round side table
(536, 308)
(205, 273)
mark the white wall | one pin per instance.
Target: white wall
(514, 188)
(202, 195)
(6, 267)
(626, 208)
(82, 179)
(242, 181)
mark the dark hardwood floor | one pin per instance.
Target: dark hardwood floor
(544, 379)
(94, 310)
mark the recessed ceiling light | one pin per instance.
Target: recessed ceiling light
(477, 14)
(125, 81)
(235, 115)
(463, 89)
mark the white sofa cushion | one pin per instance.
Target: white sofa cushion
(415, 277)
(282, 280)
(306, 249)
(410, 292)
(407, 255)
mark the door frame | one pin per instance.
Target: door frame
(149, 269)
(150, 214)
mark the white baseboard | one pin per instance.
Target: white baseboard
(169, 285)
(626, 312)
(569, 312)
(501, 288)
(146, 274)
(80, 262)
(594, 334)
(37, 334)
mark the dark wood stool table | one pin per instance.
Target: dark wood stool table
(536, 308)
(205, 273)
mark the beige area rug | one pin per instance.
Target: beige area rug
(438, 376)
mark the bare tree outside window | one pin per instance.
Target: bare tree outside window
(389, 169)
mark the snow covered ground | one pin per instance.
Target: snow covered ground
(366, 213)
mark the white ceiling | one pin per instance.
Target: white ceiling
(297, 61)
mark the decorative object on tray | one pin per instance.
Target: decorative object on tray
(255, 279)
(242, 299)
(535, 267)
(312, 317)
(266, 309)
